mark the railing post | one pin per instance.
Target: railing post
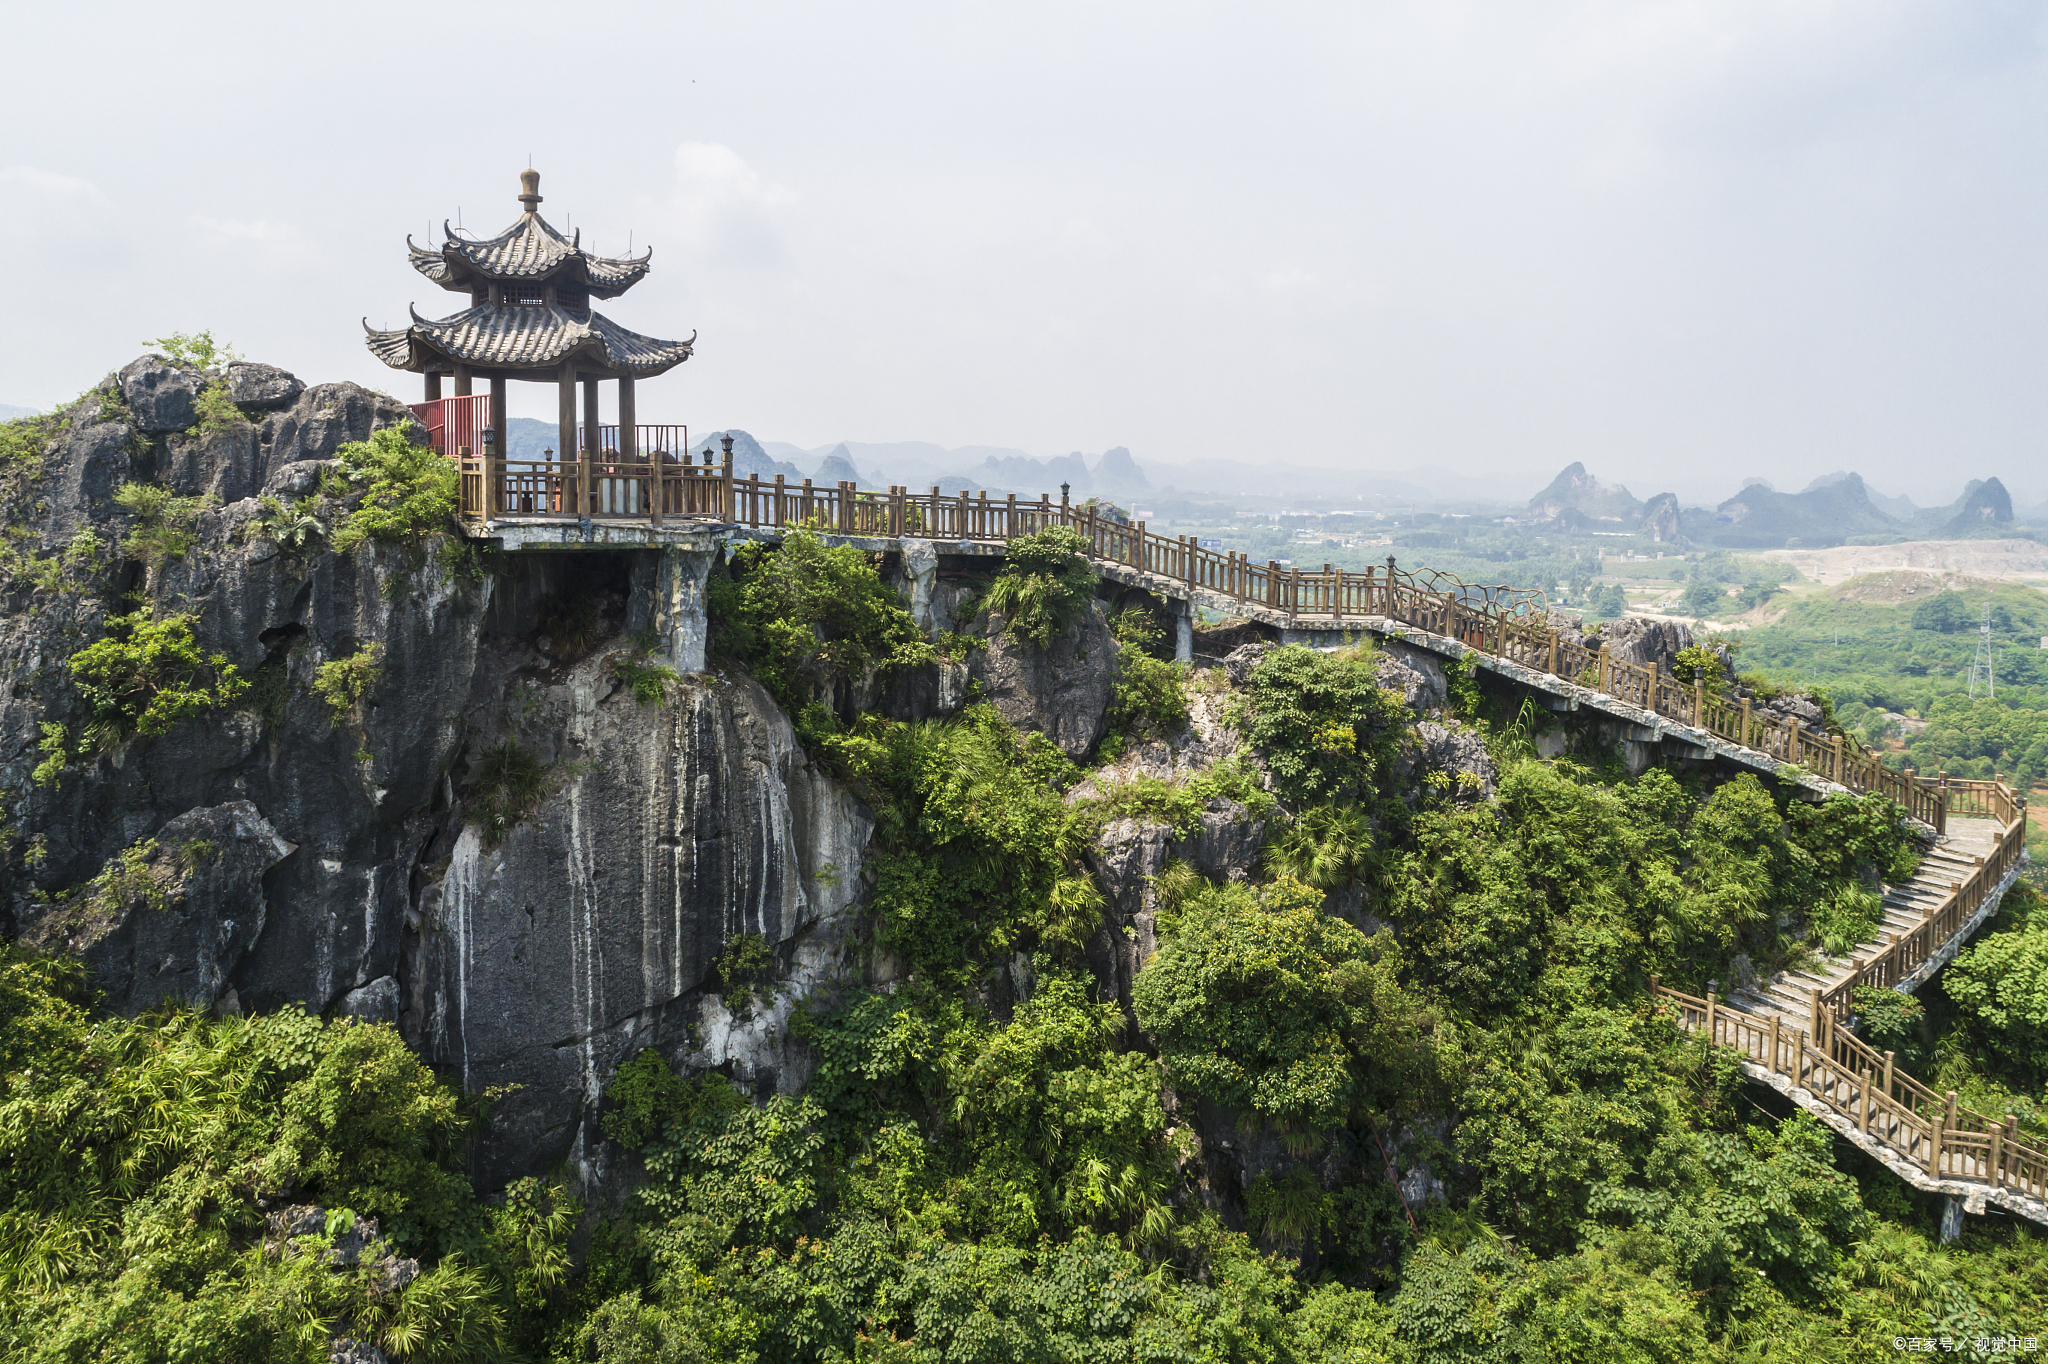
(1744, 739)
(1997, 1171)
(1773, 1061)
(1600, 672)
(1863, 1102)
(1699, 703)
(1553, 653)
(1940, 1126)
(1138, 547)
(1888, 1059)
(1819, 1027)
(1710, 1016)
(1293, 592)
(1010, 518)
(1651, 696)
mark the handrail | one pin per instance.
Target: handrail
(1865, 1087)
(1504, 622)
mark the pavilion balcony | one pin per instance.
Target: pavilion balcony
(651, 480)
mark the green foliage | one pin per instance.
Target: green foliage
(1044, 585)
(216, 412)
(976, 853)
(55, 748)
(163, 521)
(1323, 723)
(504, 786)
(644, 1097)
(408, 491)
(134, 1153)
(805, 615)
(289, 525)
(343, 683)
(1702, 598)
(1261, 1001)
(649, 682)
(195, 350)
(1328, 847)
(2000, 983)
(1895, 1022)
(1150, 697)
(146, 674)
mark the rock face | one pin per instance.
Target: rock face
(1634, 639)
(1061, 691)
(498, 849)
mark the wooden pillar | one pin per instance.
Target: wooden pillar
(565, 439)
(462, 381)
(499, 424)
(1773, 1061)
(1650, 699)
(629, 446)
(590, 447)
(433, 388)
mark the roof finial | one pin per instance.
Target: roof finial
(529, 185)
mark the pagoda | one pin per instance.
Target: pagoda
(530, 317)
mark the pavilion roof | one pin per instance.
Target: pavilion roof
(529, 249)
(524, 338)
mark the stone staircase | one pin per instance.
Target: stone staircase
(1789, 994)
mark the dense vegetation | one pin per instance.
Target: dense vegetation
(994, 1161)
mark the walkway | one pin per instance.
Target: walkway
(1793, 1035)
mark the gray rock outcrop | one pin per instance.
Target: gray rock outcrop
(1641, 641)
(348, 861)
(1061, 691)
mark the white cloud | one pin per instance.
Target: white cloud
(727, 211)
(277, 243)
(50, 183)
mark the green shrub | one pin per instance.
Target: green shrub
(649, 682)
(1044, 585)
(196, 350)
(343, 683)
(163, 521)
(2000, 983)
(1325, 846)
(289, 525)
(504, 786)
(1323, 723)
(215, 412)
(408, 491)
(138, 1159)
(804, 615)
(1261, 1001)
(1150, 696)
(147, 674)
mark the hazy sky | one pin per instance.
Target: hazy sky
(1686, 243)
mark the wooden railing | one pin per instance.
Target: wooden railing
(607, 488)
(1506, 622)
(1906, 952)
(1927, 1130)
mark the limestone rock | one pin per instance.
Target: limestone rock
(162, 396)
(251, 385)
(170, 926)
(1641, 641)
(300, 478)
(1239, 662)
(1449, 761)
(1061, 691)
(1415, 675)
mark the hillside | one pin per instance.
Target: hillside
(741, 949)
(1757, 518)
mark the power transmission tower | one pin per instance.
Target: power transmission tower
(1980, 668)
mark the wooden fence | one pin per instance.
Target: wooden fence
(1906, 952)
(1927, 1130)
(1509, 623)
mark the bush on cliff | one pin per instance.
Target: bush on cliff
(1044, 584)
(1324, 725)
(805, 614)
(148, 673)
(408, 491)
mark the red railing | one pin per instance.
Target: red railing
(455, 424)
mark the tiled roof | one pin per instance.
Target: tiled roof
(529, 249)
(524, 338)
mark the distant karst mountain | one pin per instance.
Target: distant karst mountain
(8, 412)
(1985, 509)
(1575, 490)
(1757, 518)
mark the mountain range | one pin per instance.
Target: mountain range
(1835, 509)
